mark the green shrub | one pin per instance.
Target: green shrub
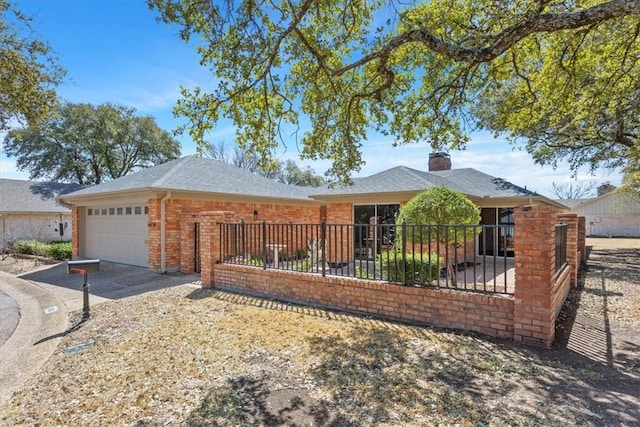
(303, 265)
(58, 250)
(29, 247)
(255, 260)
(420, 269)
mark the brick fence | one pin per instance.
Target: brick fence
(527, 316)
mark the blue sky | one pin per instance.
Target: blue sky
(115, 51)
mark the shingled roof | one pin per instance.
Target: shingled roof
(19, 196)
(197, 174)
(403, 179)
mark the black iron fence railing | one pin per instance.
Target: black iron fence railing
(561, 246)
(474, 258)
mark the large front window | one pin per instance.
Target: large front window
(369, 238)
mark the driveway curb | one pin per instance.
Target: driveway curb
(43, 319)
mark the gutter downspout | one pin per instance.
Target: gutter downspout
(163, 233)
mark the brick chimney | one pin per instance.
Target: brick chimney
(439, 162)
(605, 188)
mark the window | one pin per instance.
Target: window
(89, 211)
(119, 211)
(96, 212)
(112, 211)
(375, 228)
(104, 211)
(137, 210)
(127, 210)
(146, 210)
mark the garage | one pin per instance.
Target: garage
(117, 234)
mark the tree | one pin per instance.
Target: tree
(573, 190)
(291, 173)
(443, 210)
(29, 73)
(89, 144)
(239, 158)
(561, 76)
(288, 172)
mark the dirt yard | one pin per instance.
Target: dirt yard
(186, 356)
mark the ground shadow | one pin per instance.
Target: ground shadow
(253, 400)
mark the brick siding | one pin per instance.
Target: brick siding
(487, 314)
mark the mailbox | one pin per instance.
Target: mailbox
(86, 265)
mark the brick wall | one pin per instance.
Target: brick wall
(573, 255)
(528, 316)
(487, 314)
(176, 209)
(75, 231)
(582, 240)
(538, 294)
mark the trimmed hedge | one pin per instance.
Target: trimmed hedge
(420, 270)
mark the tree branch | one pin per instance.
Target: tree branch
(547, 22)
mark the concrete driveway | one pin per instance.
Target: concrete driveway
(112, 282)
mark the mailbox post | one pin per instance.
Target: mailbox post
(83, 267)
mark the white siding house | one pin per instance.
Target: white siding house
(30, 210)
(614, 214)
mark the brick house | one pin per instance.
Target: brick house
(166, 218)
(137, 219)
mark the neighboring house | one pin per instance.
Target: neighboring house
(614, 213)
(137, 219)
(30, 210)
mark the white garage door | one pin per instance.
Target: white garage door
(117, 234)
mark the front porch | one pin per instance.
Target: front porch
(430, 282)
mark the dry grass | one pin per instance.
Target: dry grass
(185, 356)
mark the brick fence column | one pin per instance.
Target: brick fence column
(534, 243)
(573, 260)
(187, 243)
(210, 244)
(582, 240)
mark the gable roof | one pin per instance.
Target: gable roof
(617, 194)
(197, 174)
(403, 179)
(33, 197)
(572, 203)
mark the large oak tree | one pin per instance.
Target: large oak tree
(562, 76)
(89, 144)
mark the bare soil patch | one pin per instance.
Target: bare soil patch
(189, 356)
(17, 264)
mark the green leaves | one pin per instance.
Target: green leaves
(440, 206)
(89, 144)
(561, 77)
(29, 73)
